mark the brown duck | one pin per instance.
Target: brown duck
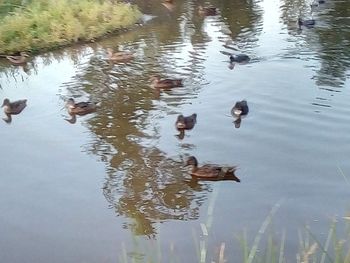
(186, 123)
(14, 107)
(80, 108)
(207, 11)
(211, 171)
(119, 56)
(17, 60)
(156, 82)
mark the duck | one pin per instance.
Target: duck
(80, 108)
(119, 56)
(207, 11)
(17, 60)
(186, 123)
(241, 108)
(211, 171)
(156, 82)
(14, 107)
(240, 58)
(307, 23)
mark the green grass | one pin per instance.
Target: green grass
(47, 24)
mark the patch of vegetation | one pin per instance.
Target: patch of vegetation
(46, 24)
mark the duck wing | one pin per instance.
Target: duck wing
(215, 172)
(16, 59)
(84, 105)
(17, 106)
(207, 171)
(171, 82)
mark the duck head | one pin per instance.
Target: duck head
(180, 122)
(70, 103)
(192, 161)
(154, 79)
(240, 108)
(24, 54)
(5, 103)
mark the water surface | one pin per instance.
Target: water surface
(112, 185)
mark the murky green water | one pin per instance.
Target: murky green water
(113, 186)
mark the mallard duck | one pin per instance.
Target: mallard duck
(307, 23)
(207, 11)
(186, 123)
(21, 59)
(156, 82)
(211, 171)
(119, 56)
(14, 107)
(240, 108)
(80, 108)
(240, 58)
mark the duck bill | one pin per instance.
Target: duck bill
(180, 126)
(238, 112)
(2, 105)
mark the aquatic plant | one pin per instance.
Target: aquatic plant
(48, 24)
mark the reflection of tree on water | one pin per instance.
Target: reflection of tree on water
(142, 183)
(327, 39)
(153, 190)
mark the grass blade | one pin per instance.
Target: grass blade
(261, 231)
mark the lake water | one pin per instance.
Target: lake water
(112, 187)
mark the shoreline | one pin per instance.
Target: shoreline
(83, 27)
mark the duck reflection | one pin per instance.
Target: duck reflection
(212, 172)
(169, 4)
(207, 11)
(239, 111)
(185, 123)
(12, 108)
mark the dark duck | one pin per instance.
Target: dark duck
(185, 123)
(240, 109)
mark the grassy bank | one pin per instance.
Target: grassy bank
(46, 24)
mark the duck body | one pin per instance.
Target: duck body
(240, 58)
(119, 56)
(306, 23)
(14, 107)
(207, 11)
(240, 109)
(186, 123)
(211, 171)
(80, 108)
(156, 82)
(17, 60)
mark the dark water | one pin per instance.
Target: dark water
(112, 186)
